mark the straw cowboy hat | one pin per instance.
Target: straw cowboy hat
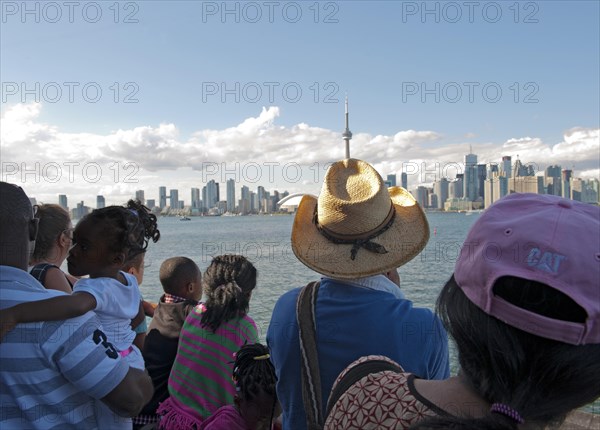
(357, 227)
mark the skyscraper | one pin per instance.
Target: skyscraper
(100, 202)
(404, 180)
(162, 197)
(440, 190)
(471, 183)
(195, 198)
(481, 176)
(139, 195)
(506, 166)
(422, 196)
(392, 180)
(230, 195)
(174, 199)
(62, 201)
(210, 194)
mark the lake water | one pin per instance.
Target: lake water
(265, 240)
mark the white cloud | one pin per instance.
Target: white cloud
(158, 155)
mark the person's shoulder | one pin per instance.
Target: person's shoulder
(289, 297)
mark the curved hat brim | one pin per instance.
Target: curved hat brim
(404, 240)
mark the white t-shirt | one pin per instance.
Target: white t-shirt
(116, 305)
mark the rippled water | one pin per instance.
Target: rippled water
(265, 240)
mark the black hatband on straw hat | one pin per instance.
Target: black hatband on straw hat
(362, 240)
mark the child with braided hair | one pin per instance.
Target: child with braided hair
(200, 380)
(255, 400)
(102, 242)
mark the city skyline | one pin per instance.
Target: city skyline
(476, 187)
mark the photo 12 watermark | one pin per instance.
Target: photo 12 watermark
(69, 171)
(266, 172)
(69, 92)
(252, 12)
(452, 12)
(52, 12)
(270, 92)
(470, 92)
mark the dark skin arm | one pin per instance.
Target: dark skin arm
(131, 395)
(54, 309)
(138, 318)
(149, 308)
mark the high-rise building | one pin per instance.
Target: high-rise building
(553, 171)
(162, 197)
(231, 195)
(245, 202)
(471, 182)
(481, 176)
(254, 207)
(210, 194)
(139, 195)
(440, 190)
(422, 196)
(566, 177)
(260, 197)
(392, 180)
(195, 198)
(404, 180)
(506, 166)
(523, 184)
(151, 203)
(455, 190)
(100, 202)
(174, 199)
(62, 201)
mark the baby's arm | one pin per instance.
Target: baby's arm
(54, 309)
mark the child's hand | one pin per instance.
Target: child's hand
(8, 321)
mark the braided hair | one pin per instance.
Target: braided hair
(132, 227)
(253, 372)
(227, 282)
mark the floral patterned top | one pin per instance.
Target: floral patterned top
(384, 400)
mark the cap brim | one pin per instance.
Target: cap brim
(404, 240)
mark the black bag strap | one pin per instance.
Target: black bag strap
(310, 374)
(355, 374)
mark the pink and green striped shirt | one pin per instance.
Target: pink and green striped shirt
(200, 381)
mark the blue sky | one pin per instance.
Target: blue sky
(174, 62)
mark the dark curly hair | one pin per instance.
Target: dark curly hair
(227, 282)
(132, 227)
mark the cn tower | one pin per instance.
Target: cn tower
(347, 134)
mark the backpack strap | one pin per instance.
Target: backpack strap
(355, 374)
(310, 375)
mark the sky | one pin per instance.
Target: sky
(110, 97)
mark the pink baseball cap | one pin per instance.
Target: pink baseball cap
(541, 238)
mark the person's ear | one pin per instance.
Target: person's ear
(33, 228)
(190, 287)
(119, 258)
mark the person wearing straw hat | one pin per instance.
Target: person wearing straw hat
(355, 232)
